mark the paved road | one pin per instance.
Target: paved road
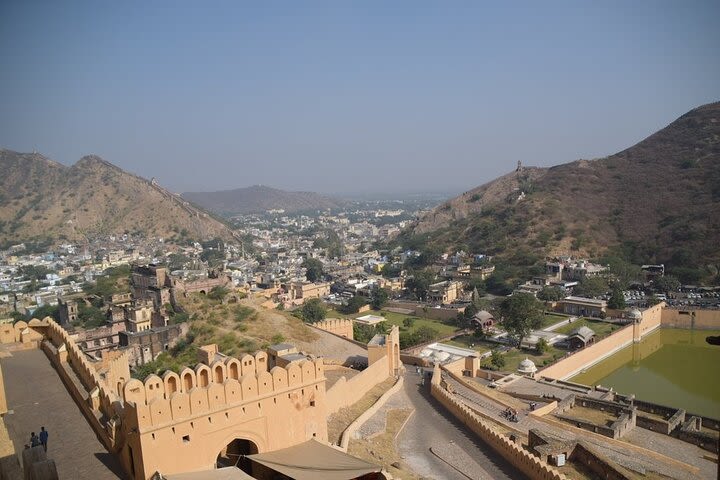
(37, 397)
(432, 427)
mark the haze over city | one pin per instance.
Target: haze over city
(346, 97)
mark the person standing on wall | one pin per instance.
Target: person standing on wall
(43, 438)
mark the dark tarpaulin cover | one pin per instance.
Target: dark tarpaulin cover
(313, 460)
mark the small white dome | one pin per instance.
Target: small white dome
(527, 366)
(634, 314)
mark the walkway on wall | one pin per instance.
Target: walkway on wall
(37, 397)
(432, 427)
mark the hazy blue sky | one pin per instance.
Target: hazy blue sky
(348, 96)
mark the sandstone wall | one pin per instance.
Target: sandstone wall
(691, 318)
(346, 392)
(533, 467)
(571, 365)
(340, 327)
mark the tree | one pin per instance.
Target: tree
(419, 284)
(541, 346)
(313, 310)
(379, 298)
(46, 311)
(475, 298)
(425, 334)
(551, 294)
(34, 272)
(313, 269)
(497, 284)
(365, 333)
(592, 287)
(218, 293)
(521, 313)
(617, 299)
(497, 359)
(353, 305)
(652, 301)
(408, 322)
(470, 311)
(90, 316)
(666, 284)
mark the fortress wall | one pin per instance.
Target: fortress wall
(651, 318)
(338, 326)
(587, 356)
(186, 431)
(533, 467)
(683, 318)
(162, 400)
(346, 392)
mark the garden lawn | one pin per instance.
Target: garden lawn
(601, 329)
(515, 356)
(551, 319)
(392, 318)
(464, 341)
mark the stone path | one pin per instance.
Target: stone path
(37, 397)
(433, 427)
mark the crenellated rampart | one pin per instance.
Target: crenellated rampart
(173, 397)
(342, 327)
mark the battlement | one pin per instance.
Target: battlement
(159, 400)
(342, 327)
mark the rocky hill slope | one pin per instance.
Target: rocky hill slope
(658, 201)
(40, 198)
(259, 198)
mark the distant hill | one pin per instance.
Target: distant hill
(40, 198)
(259, 198)
(658, 201)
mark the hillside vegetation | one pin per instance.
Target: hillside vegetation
(40, 198)
(656, 202)
(259, 198)
(236, 328)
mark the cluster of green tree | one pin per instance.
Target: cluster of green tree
(380, 297)
(495, 361)
(178, 261)
(42, 312)
(365, 333)
(391, 270)
(110, 283)
(213, 253)
(418, 283)
(312, 311)
(217, 293)
(313, 269)
(35, 272)
(353, 305)
(422, 334)
(90, 316)
(521, 313)
(331, 243)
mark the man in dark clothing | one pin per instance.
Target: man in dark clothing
(34, 440)
(43, 438)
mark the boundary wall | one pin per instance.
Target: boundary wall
(586, 357)
(365, 416)
(346, 392)
(339, 326)
(701, 319)
(527, 463)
